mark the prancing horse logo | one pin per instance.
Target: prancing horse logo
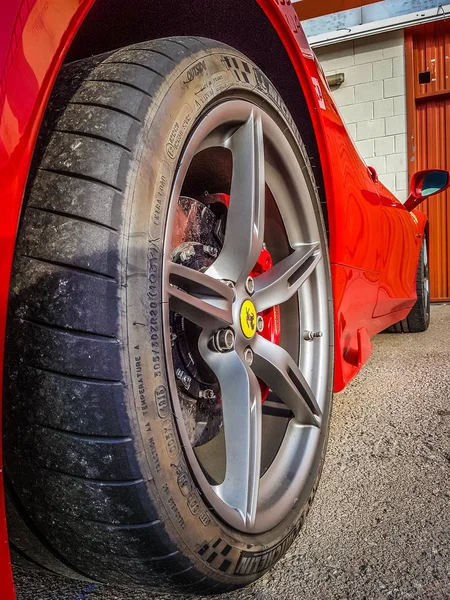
(250, 318)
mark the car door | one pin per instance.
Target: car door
(399, 250)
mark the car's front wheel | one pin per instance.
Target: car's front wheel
(169, 351)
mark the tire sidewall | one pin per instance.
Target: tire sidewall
(198, 82)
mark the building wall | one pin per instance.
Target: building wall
(372, 101)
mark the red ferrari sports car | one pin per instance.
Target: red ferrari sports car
(193, 256)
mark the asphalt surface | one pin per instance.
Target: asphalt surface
(380, 524)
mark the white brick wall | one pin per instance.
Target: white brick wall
(385, 146)
(372, 101)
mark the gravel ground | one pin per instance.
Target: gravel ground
(380, 524)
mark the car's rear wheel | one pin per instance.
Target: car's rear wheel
(169, 350)
(418, 319)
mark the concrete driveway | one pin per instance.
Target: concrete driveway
(380, 524)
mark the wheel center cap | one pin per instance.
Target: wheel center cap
(248, 318)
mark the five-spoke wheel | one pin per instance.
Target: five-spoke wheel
(252, 486)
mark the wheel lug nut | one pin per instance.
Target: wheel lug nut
(250, 285)
(259, 323)
(248, 356)
(224, 340)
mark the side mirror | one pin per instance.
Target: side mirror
(425, 184)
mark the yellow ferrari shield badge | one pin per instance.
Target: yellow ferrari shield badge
(248, 319)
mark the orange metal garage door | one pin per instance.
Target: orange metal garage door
(428, 100)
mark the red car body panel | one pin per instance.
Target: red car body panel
(369, 229)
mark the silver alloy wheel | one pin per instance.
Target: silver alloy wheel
(262, 158)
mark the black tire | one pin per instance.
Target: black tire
(418, 319)
(97, 484)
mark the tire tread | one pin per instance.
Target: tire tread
(114, 98)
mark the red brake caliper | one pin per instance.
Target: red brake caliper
(271, 316)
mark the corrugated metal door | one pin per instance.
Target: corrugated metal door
(428, 100)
